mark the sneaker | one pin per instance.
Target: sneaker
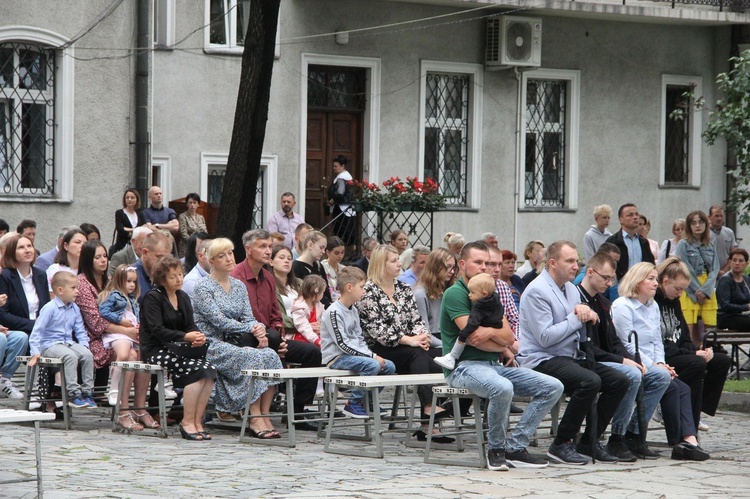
(78, 401)
(566, 453)
(34, 403)
(514, 409)
(602, 454)
(689, 452)
(112, 397)
(618, 448)
(169, 393)
(639, 448)
(446, 361)
(522, 459)
(657, 416)
(354, 409)
(383, 411)
(91, 403)
(9, 389)
(496, 460)
(703, 426)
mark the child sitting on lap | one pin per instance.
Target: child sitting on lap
(52, 336)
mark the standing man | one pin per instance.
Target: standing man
(419, 256)
(490, 239)
(27, 228)
(285, 221)
(553, 337)
(158, 216)
(261, 289)
(598, 233)
(131, 253)
(479, 371)
(633, 248)
(722, 237)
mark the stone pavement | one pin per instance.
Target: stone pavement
(92, 461)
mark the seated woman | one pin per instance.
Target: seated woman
(167, 317)
(439, 274)
(313, 248)
(335, 251)
(507, 275)
(636, 310)
(287, 285)
(733, 294)
(68, 255)
(222, 307)
(392, 326)
(704, 370)
(92, 231)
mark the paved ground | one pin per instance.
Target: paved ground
(92, 461)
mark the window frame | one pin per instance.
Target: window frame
(164, 24)
(573, 79)
(64, 110)
(231, 47)
(695, 137)
(475, 109)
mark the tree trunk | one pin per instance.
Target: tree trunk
(251, 114)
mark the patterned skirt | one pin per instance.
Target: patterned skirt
(183, 371)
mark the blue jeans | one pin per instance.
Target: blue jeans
(365, 366)
(14, 344)
(498, 384)
(655, 383)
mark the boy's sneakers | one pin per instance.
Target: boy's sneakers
(383, 411)
(78, 401)
(355, 409)
(446, 361)
(9, 389)
(496, 460)
(90, 402)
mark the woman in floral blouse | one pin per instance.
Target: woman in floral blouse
(391, 322)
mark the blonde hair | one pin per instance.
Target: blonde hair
(376, 270)
(119, 281)
(312, 237)
(672, 268)
(637, 274)
(602, 209)
(454, 239)
(482, 282)
(218, 245)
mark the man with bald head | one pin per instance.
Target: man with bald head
(158, 216)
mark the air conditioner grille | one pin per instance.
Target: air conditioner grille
(518, 41)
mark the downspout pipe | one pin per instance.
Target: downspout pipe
(142, 135)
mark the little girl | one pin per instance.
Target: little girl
(307, 310)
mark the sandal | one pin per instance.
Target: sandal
(263, 434)
(190, 436)
(225, 417)
(128, 424)
(205, 435)
(147, 420)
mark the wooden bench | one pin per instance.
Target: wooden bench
(288, 376)
(141, 367)
(31, 376)
(15, 416)
(372, 385)
(736, 339)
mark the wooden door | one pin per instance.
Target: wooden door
(329, 134)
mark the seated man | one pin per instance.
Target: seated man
(553, 335)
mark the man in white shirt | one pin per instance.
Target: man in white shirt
(199, 271)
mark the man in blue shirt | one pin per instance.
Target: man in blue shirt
(158, 216)
(633, 248)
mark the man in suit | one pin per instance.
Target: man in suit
(48, 257)
(367, 246)
(633, 248)
(131, 253)
(553, 340)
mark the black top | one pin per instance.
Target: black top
(123, 236)
(363, 263)
(486, 311)
(674, 329)
(605, 344)
(302, 270)
(161, 323)
(733, 297)
(15, 313)
(623, 265)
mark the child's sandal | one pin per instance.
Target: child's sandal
(129, 423)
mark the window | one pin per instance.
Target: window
(227, 20)
(213, 169)
(161, 175)
(680, 139)
(550, 144)
(450, 132)
(164, 24)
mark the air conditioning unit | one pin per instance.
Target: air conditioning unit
(513, 41)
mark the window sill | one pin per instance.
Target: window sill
(686, 187)
(460, 209)
(224, 50)
(31, 199)
(547, 209)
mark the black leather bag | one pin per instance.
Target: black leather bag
(247, 339)
(186, 351)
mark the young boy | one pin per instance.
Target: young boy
(52, 336)
(487, 311)
(342, 343)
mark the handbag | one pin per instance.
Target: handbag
(247, 339)
(185, 349)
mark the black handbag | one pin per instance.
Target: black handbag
(247, 339)
(185, 349)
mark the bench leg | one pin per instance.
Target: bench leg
(162, 404)
(246, 415)
(378, 425)
(38, 448)
(64, 395)
(290, 412)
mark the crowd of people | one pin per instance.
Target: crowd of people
(626, 329)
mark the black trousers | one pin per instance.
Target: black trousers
(412, 360)
(736, 322)
(583, 385)
(706, 380)
(308, 355)
(677, 412)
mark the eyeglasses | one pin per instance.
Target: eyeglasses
(607, 278)
(450, 268)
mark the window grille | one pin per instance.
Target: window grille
(677, 138)
(216, 186)
(334, 87)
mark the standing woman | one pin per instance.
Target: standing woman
(399, 240)
(313, 247)
(669, 246)
(335, 251)
(190, 221)
(699, 253)
(167, 317)
(127, 219)
(454, 242)
(68, 256)
(438, 275)
(338, 199)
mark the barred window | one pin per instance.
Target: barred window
(27, 119)
(446, 134)
(677, 138)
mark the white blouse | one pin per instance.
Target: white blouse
(32, 299)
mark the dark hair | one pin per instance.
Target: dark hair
(162, 268)
(554, 250)
(190, 259)
(601, 258)
(291, 279)
(477, 245)
(341, 160)
(137, 198)
(194, 196)
(86, 263)
(62, 254)
(626, 205)
(334, 242)
(25, 224)
(4, 225)
(609, 248)
(9, 254)
(88, 229)
(735, 251)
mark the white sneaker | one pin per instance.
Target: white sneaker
(169, 393)
(9, 389)
(657, 416)
(34, 403)
(447, 361)
(112, 397)
(703, 426)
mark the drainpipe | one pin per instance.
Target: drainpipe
(519, 160)
(142, 136)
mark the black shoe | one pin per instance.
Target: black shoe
(522, 459)
(496, 460)
(305, 426)
(438, 439)
(689, 452)
(639, 448)
(617, 447)
(602, 454)
(566, 453)
(514, 409)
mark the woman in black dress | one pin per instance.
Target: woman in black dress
(127, 219)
